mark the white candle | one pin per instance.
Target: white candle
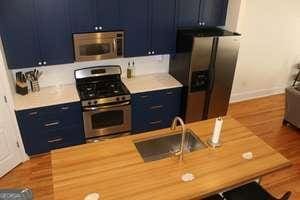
(217, 131)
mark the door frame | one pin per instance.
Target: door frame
(9, 91)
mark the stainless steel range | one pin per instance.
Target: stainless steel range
(105, 102)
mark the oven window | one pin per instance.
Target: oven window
(107, 119)
(94, 49)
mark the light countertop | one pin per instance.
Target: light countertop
(56, 95)
(151, 82)
(48, 96)
(119, 172)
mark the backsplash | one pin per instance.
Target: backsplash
(64, 74)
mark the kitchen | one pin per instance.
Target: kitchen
(85, 54)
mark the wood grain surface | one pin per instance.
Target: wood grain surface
(262, 116)
(115, 170)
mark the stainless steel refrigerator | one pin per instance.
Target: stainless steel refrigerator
(205, 63)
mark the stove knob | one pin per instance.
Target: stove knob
(89, 103)
(118, 99)
(95, 102)
(123, 98)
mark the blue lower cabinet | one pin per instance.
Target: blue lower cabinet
(155, 110)
(47, 128)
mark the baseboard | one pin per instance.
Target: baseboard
(237, 97)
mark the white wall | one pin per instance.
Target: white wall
(270, 46)
(64, 74)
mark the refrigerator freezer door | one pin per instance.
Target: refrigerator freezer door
(201, 54)
(195, 106)
(223, 70)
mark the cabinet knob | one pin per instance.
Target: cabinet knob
(149, 53)
(203, 23)
(153, 52)
(39, 63)
(96, 28)
(44, 63)
(100, 27)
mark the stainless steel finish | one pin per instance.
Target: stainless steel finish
(108, 38)
(125, 126)
(155, 122)
(88, 72)
(173, 127)
(105, 107)
(33, 113)
(201, 53)
(101, 101)
(195, 106)
(103, 138)
(52, 124)
(165, 146)
(56, 140)
(156, 107)
(224, 69)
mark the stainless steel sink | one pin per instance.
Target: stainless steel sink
(165, 146)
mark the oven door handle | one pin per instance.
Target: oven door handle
(104, 107)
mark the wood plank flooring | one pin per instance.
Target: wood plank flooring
(263, 116)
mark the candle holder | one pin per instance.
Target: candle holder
(214, 145)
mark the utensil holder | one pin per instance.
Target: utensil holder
(35, 86)
(21, 88)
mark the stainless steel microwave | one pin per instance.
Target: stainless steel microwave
(98, 46)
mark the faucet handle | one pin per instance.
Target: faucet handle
(175, 153)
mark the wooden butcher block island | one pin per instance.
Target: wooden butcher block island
(115, 170)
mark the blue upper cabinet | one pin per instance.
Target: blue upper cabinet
(107, 14)
(188, 12)
(163, 32)
(134, 19)
(213, 12)
(201, 12)
(82, 15)
(54, 32)
(94, 15)
(18, 32)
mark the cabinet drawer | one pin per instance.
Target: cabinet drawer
(64, 137)
(50, 117)
(155, 110)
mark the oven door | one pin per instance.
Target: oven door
(107, 120)
(95, 49)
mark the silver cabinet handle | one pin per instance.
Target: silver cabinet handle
(55, 140)
(52, 124)
(65, 108)
(144, 96)
(155, 122)
(156, 107)
(169, 93)
(33, 113)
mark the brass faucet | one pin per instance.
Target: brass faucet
(173, 127)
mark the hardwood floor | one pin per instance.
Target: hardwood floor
(263, 116)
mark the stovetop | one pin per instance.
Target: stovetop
(102, 90)
(100, 86)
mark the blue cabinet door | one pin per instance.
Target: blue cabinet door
(188, 12)
(82, 15)
(213, 12)
(54, 31)
(163, 33)
(134, 19)
(18, 32)
(107, 14)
